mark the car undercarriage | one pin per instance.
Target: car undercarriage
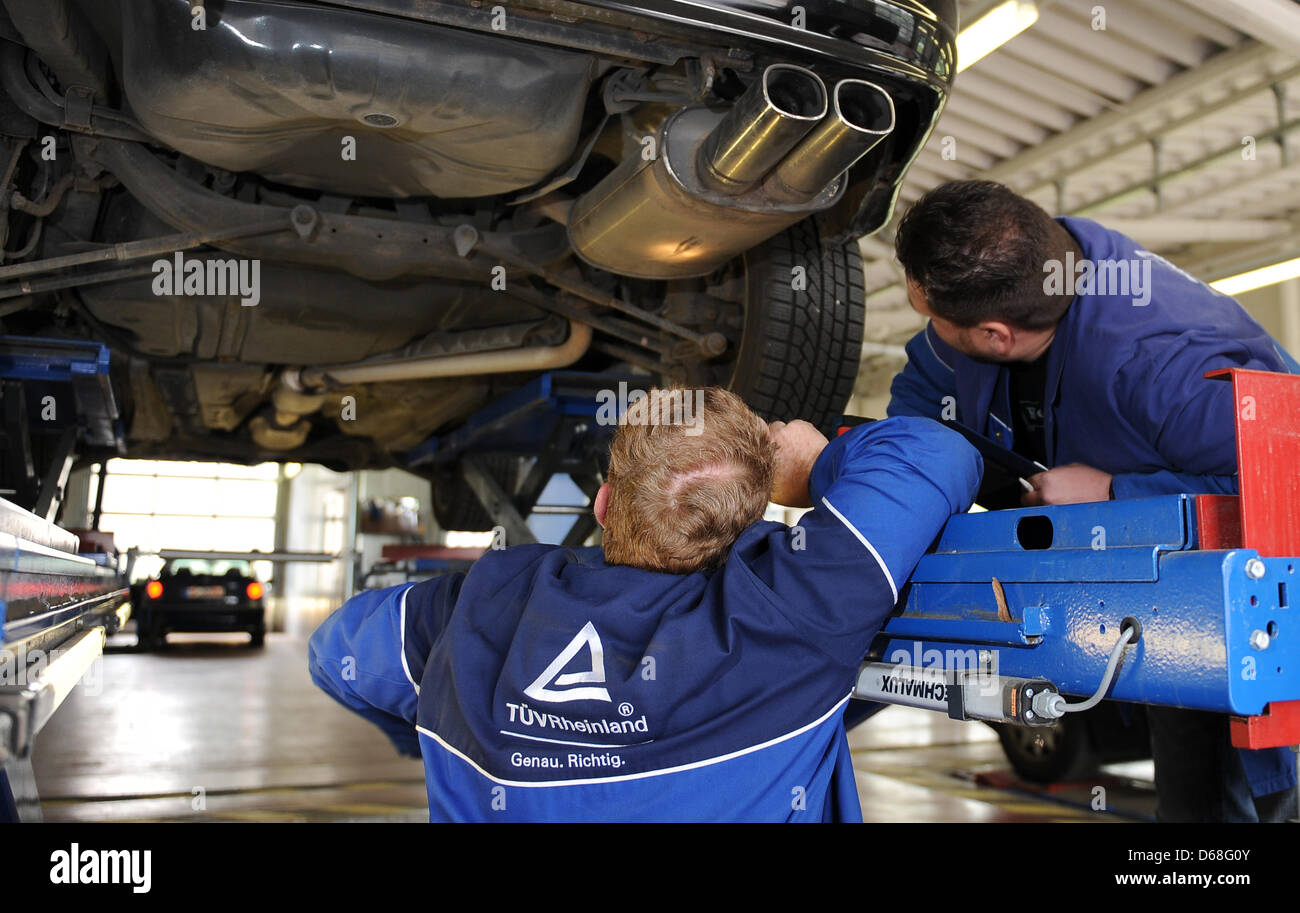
(322, 232)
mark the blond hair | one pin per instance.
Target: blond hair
(682, 492)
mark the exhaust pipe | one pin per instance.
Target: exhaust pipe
(762, 126)
(503, 361)
(862, 115)
(724, 183)
(284, 426)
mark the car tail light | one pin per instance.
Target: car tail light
(255, 590)
(153, 588)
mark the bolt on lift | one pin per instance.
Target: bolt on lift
(1179, 601)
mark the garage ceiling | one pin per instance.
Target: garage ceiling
(1173, 121)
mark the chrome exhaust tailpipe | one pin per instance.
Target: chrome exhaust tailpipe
(862, 114)
(762, 126)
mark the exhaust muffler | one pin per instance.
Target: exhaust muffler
(723, 182)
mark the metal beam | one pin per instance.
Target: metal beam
(1031, 79)
(277, 556)
(992, 91)
(1158, 231)
(978, 135)
(1198, 23)
(1273, 22)
(1107, 80)
(56, 475)
(1004, 119)
(1175, 38)
(1129, 120)
(1103, 46)
(496, 502)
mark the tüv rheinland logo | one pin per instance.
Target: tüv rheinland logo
(209, 277)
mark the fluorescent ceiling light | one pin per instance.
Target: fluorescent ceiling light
(994, 29)
(1258, 278)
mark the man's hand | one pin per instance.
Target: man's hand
(1070, 484)
(798, 444)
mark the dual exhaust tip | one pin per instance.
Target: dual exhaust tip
(790, 130)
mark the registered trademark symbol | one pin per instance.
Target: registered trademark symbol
(625, 709)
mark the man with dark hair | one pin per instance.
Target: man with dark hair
(1074, 347)
(696, 668)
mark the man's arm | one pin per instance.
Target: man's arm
(1163, 394)
(927, 378)
(881, 493)
(370, 654)
(1150, 484)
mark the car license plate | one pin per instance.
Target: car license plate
(204, 592)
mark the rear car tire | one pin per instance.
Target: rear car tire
(800, 348)
(257, 639)
(148, 639)
(454, 504)
(1049, 754)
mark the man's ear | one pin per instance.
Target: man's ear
(601, 504)
(997, 338)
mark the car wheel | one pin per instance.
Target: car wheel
(804, 306)
(258, 639)
(148, 639)
(454, 503)
(1049, 754)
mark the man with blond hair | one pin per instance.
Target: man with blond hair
(695, 667)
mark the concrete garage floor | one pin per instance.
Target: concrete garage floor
(212, 730)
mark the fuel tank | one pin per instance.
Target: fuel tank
(348, 102)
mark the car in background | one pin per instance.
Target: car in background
(202, 595)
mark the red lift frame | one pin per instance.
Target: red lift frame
(1266, 514)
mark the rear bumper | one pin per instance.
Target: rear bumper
(204, 617)
(914, 39)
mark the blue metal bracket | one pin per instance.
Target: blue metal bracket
(525, 421)
(58, 360)
(83, 365)
(1219, 628)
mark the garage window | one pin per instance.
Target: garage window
(156, 504)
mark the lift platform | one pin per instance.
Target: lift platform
(563, 420)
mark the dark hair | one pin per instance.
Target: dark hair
(978, 251)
